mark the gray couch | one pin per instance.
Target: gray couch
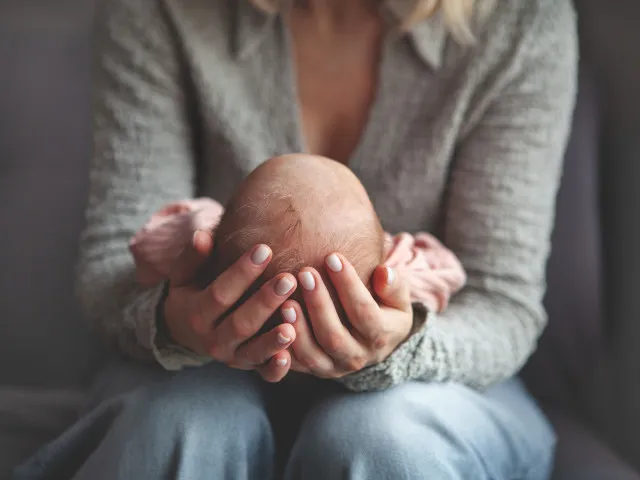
(585, 372)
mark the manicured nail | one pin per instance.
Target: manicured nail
(289, 315)
(334, 263)
(281, 362)
(260, 255)
(307, 281)
(282, 340)
(283, 286)
(391, 275)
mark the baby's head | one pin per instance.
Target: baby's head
(304, 207)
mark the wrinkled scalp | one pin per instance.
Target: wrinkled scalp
(304, 207)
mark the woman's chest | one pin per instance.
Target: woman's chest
(250, 110)
(335, 74)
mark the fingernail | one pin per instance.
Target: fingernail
(391, 275)
(260, 255)
(307, 281)
(281, 362)
(282, 340)
(289, 315)
(334, 263)
(283, 286)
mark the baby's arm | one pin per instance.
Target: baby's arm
(434, 273)
(167, 233)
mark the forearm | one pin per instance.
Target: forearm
(478, 341)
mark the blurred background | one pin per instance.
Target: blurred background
(586, 372)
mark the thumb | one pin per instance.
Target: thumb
(188, 262)
(392, 289)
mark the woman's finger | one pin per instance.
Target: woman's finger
(305, 349)
(223, 293)
(332, 335)
(277, 368)
(191, 258)
(260, 350)
(392, 291)
(297, 366)
(360, 306)
(246, 320)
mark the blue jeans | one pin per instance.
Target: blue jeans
(215, 423)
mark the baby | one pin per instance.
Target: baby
(303, 207)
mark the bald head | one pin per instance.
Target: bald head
(304, 207)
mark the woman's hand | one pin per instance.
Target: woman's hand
(328, 349)
(193, 316)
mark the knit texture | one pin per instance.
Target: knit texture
(465, 142)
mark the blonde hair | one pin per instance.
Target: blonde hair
(457, 14)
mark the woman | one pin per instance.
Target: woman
(453, 113)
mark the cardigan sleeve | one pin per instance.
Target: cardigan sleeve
(499, 213)
(142, 159)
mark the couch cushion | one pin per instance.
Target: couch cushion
(45, 91)
(611, 35)
(580, 455)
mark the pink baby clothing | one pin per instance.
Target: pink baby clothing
(434, 273)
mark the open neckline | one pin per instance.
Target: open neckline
(367, 138)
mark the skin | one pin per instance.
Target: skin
(337, 48)
(190, 313)
(303, 206)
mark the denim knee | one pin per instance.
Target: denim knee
(358, 443)
(425, 431)
(201, 416)
(206, 423)
(197, 410)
